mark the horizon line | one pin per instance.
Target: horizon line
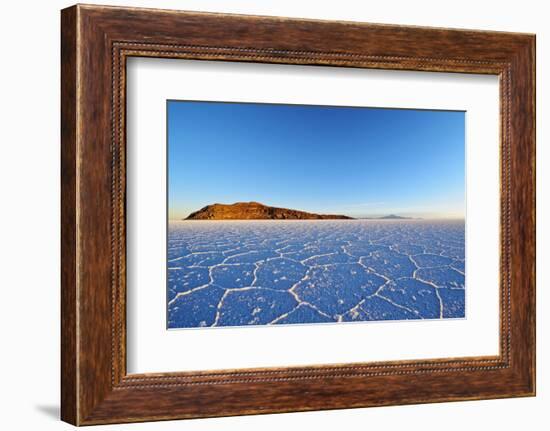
(434, 215)
(382, 219)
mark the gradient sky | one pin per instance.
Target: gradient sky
(354, 161)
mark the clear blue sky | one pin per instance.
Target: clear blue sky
(353, 161)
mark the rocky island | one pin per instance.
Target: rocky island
(257, 211)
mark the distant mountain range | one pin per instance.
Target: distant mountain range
(257, 211)
(388, 217)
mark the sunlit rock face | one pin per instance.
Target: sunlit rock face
(256, 211)
(239, 273)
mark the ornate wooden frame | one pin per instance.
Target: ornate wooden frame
(95, 42)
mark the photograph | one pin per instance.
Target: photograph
(284, 214)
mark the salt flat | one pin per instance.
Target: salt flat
(238, 273)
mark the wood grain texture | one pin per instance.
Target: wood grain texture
(96, 41)
(69, 397)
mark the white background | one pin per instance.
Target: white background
(151, 348)
(29, 228)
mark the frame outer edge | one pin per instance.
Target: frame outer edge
(529, 62)
(533, 53)
(532, 101)
(523, 217)
(87, 396)
(69, 202)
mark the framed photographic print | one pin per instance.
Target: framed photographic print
(268, 215)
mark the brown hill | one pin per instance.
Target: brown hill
(256, 211)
